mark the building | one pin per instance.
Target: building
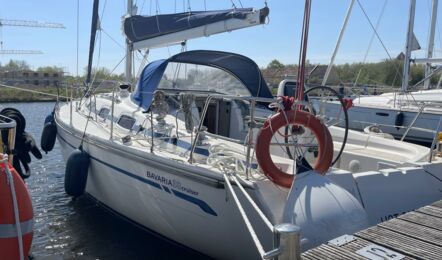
(31, 78)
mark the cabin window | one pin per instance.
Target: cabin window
(104, 112)
(126, 122)
(191, 77)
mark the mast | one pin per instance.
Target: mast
(129, 47)
(430, 47)
(299, 95)
(94, 27)
(338, 43)
(408, 46)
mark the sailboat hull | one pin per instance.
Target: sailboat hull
(387, 119)
(193, 212)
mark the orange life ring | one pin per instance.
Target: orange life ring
(298, 117)
(9, 248)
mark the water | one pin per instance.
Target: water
(79, 228)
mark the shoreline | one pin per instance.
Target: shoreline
(27, 95)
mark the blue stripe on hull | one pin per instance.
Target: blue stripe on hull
(198, 202)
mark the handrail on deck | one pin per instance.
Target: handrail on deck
(252, 101)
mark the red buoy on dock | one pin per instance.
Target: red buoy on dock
(14, 200)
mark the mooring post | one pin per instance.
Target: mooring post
(286, 243)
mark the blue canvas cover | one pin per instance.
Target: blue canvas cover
(138, 28)
(148, 82)
(241, 67)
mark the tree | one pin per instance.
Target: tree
(50, 69)
(103, 73)
(275, 64)
(14, 65)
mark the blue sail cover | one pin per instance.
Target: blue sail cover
(241, 67)
(148, 82)
(138, 28)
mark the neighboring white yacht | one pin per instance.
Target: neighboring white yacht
(405, 114)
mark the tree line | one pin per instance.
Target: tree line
(383, 73)
(21, 65)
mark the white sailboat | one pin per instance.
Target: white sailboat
(410, 115)
(177, 156)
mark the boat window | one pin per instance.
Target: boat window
(192, 77)
(104, 112)
(126, 122)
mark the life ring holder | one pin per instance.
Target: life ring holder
(285, 118)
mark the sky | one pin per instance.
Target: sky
(279, 39)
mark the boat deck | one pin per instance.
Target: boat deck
(414, 235)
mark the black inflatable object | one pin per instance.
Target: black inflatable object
(24, 143)
(77, 168)
(17, 117)
(399, 120)
(49, 134)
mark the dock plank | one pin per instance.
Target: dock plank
(415, 235)
(360, 243)
(414, 230)
(423, 220)
(431, 210)
(331, 252)
(401, 243)
(437, 204)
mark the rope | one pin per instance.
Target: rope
(15, 205)
(244, 217)
(32, 91)
(252, 202)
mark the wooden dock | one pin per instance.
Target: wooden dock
(414, 235)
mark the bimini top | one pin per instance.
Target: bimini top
(139, 28)
(242, 68)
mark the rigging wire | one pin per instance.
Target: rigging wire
(113, 39)
(142, 7)
(440, 40)
(233, 4)
(100, 18)
(78, 34)
(378, 22)
(379, 38)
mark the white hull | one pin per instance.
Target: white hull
(362, 116)
(209, 224)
